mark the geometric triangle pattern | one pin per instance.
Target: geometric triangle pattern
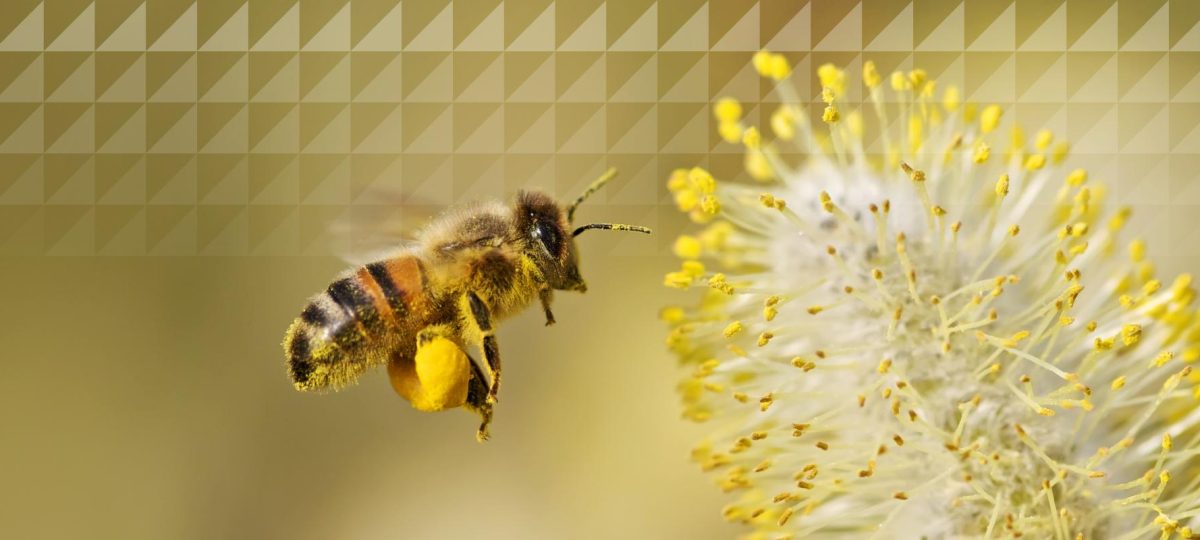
(228, 127)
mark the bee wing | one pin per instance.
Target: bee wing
(390, 224)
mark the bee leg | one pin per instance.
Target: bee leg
(482, 318)
(477, 402)
(547, 295)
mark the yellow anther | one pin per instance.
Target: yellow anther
(751, 138)
(1137, 250)
(951, 98)
(734, 328)
(1077, 178)
(678, 180)
(758, 166)
(1162, 358)
(718, 282)
(672, 314)
(982, 152)
(917, 78)
(833, 78)
(884, 366)
(1002, 186)
(938, 211)
(765, 338)
(710, 205)
(899, 81)
(831, 115)
(871, 76)
(778, 67)
(687, 247)
(692, 268)
(1151, 287)
(730, 132)
(1060, 151)
(727, 109)
(1118, 383)
(1035, 162)
(1078, 230)
(702, 180)
(1014, 230)
(1043, 140)
(989, 119)
(769, 313)
(762, 62)
(813, 310)
(678, 280)
(1131, 334)
(783, 124)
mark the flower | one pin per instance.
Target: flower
(922, 337)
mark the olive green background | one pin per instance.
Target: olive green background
(170, 169)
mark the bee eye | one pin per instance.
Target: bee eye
(548, 235)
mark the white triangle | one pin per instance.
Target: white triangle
(1190, 145)
(27, 36)
(1101, 138)
(484, 139)
(642, 137)
(284, 36)
(589, 87)
(948, 36)
(796, 33)
(233, 35)
(1190, 41)
(181, 86)
(130, 138)
(1000, 86)
(130, 86)
(642, 35)
(28, 189)
(1000, 35)
(1154, 35)
(1102, 36)
(1051, 35)
(28, 138)
(692, 87)
(1101, 86)
(334, 86)
(488, 35)
(538, 87)
(641, 87)
(386, 34)
(130, 36)
(1152, 138)
(283, 138)
(233, 84)
(488, 87)
(692, 36)
(438, 34)
(589, 36)
(284, 86)
(433, 88)
(1051, 86)
(179, 138)
(334, 138)
(181, 36)
(383, 87)
(898, 35)
(335, 35)
(80, 35)
(27, 86)
(80, 138)
(437, 136)
(847, 36)
(538, 138)
(385, 138)
(539, 35)
(589, 138)
(693, 136)
(80, 85)
(1154, 86)
(743, 35)
(1191, 89)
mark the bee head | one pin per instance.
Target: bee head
(546, 227)
(543, 225)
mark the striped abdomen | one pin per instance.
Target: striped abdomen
(356, 323)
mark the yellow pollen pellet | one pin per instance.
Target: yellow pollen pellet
(733, 329)
(727, 109)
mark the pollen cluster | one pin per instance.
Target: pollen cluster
(934, 331)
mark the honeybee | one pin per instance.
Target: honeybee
(422, 309)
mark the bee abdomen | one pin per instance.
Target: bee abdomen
(351, 325)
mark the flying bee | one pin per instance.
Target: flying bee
(422, 309)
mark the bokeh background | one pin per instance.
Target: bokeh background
(170, 169)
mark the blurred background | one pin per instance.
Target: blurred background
(170, 169)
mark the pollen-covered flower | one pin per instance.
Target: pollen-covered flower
(933, 331)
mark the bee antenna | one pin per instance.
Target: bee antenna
(594, 187)
(611, 227)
